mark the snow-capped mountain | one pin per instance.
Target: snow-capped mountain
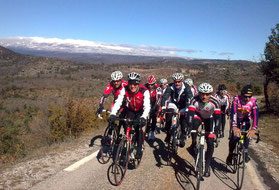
(85, 46)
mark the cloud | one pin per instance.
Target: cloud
(213, 52)
(225, 53)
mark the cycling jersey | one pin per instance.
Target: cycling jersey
(194, 90)
(133, 101)
(163, 89)
(205, 110)
(241, 110)
(111, 89)
(155, 94)
(180, 97)
(223, 100)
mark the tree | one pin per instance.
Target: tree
(270, 66)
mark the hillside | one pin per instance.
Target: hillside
(44, 100)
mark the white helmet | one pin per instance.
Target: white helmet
(205, 88)
(163, 81)
(189, 81)
(177, 76)
(134, 77)
(116, 75)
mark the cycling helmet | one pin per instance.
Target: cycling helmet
(247, 90)
(151, 79)
(177, 76)
(134, 78)
(163, 81)
(222, 87)
(116, 75)
(189, 81)
(205, 88)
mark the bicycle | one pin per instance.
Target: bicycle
(126, 151)
(108, 142)
(175, 136)
(200, 154)
(238, 159)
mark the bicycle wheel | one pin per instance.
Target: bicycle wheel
(199, 166)
(136, 162)
(241, 166)
(121, 160)
(171, 146)
(106, 147)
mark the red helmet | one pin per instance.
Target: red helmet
(151, 79)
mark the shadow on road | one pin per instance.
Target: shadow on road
(183, 171)
(160, 151)
(221, 169)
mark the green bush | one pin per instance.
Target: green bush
(10, 143)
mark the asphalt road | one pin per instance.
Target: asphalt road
(154, 173)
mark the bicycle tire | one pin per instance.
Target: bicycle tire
(121, 161)
(105, 150)
(240, 166)
(199, 166)
(136, 162)
(169, 154)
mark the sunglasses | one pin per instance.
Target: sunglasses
(247, 96)
(177, 81)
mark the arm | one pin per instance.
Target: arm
(234, 112)
(255, 115)
(165, 97)
(118, 102)
(146, 104)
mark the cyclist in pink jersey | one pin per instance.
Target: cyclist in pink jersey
(223, 97)
(204, 108)
(244, 108)
(155, 98)
(114, 87)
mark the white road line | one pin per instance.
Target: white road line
(81, 162)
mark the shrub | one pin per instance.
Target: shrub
(10, 145)
(70, 120)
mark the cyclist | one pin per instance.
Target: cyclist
(115, 86)
(191, 84)
(244, 108)
(164, 84)
(224, 99)
(155, 98)
(136, 99)
(204, 108)
(178, 95)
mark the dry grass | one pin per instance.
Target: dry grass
(269, 128)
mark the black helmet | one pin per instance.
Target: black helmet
(222, 87)
(247, 90)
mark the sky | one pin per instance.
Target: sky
(214, 29)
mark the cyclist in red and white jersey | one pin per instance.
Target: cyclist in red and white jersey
(223, 97)
(136, 99)
(163, 85)
(204, 108)
(117, 83)
(191, 84)
(155, 99)
(244, 108)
